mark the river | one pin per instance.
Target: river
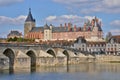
(83, 71)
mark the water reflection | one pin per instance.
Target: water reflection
(33, 69)
(11, 71)
(83, 67)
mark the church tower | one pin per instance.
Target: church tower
(29, 23)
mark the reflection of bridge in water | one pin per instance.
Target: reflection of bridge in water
(13, 56)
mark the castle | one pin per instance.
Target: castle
(91, 30)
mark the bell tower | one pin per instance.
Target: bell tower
(29, 23)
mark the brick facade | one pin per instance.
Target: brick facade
(90, 31)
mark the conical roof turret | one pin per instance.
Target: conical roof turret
(29, 17)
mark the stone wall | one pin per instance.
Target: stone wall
(107, 58)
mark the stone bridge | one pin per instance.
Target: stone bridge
(13, 56)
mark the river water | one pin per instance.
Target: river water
(83, 71)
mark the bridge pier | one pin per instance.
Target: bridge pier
(11, 58)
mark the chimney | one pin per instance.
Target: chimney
(75, 28)
(85, 27)
(60, 25)
(65, 25)
(69, 26)
(79, 29)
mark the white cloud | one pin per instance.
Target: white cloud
(51, 18)
(90, 6)
(74, 19)
(12, 21)
(9, 2)
(115, 31)
(56, 20)
(116, 27)
(115, 23)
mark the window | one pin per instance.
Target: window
(82, 45)
(83, 49)
(80, 49)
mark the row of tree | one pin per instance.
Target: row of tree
(16, 39)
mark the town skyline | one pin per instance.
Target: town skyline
(56, 12)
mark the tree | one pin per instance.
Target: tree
(20, 39)
(10, 39)
(15, 39)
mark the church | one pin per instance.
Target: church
(91, 30)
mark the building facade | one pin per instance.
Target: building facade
(112, 47)
(91, 47)
(91, 30)
(14, 34)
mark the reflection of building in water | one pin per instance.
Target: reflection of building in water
(108, 67)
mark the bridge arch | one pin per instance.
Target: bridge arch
(65, 52)
(51, 52)
(11, 55)
(32, 56)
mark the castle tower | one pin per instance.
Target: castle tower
(47, 32)
(29, 23)
(97, 31)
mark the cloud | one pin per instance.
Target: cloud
(90, 6)
(12, 21)
(74, 19)
(115, 31)
(56, 20)
(115, 23)
(115, 27)
(9, 2)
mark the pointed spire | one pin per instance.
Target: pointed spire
(29, 10)
(95, 21)
(29, 17)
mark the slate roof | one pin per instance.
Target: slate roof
(46, 26)
(29, 17)
(54, 29)
(91, 42)
(59, 29)
(116, 38)
(99, 27)
(89, 27)
(12, 33)
(37, 29)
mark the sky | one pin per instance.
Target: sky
(13, 13)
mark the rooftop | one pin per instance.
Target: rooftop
(29, 17)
